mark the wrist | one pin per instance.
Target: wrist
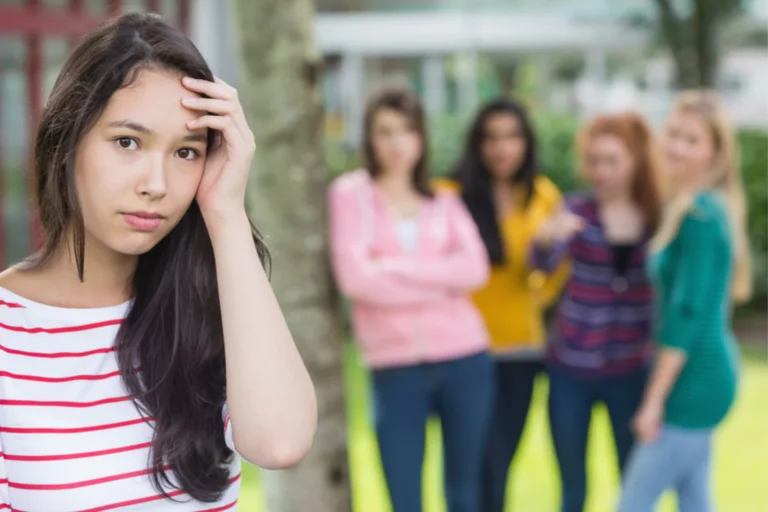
(543, 240)
(652, 402)
(222, 224)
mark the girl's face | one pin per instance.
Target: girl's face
(689, 148)
(137, 170)
(396, 144)
(504, 145)
(610, 166)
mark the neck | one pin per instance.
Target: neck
(617, 198)
(107, 275)
(688, 188)
(396, 184)
(503, 186)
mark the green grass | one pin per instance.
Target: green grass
(741, 464)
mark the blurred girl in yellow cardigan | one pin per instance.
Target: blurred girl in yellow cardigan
(499, 182)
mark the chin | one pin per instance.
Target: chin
(135, 245)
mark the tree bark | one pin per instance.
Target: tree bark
(282, 97)
(676, 32)
(693, 40)
(706, 42)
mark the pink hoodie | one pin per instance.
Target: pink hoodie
(407, 308)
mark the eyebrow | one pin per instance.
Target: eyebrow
(138, 127)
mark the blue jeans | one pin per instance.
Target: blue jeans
(679, 459)
(514, 389)
(460, 393)
(570, 410)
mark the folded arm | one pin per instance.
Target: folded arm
(464, 268)
(359, 276)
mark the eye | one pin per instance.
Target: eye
(127, 143)
(188, 154)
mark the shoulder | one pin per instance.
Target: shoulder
(14, 309)
(349, 183)
(446, 185)
(545, 190)
(450, 202)
(580, 202)
(13, 284)
(706, 217)
(708, 206)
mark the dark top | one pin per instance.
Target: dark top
(604, 320)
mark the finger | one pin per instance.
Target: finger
(210, 89)
(220, 81)
(221, 107)
(224, 124)
(237, 111)
(227, 127)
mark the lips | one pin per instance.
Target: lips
(143, 221)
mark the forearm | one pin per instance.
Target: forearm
(547, 256)
(669, 364)
(270, 396)
(377, 283)
(458, 273)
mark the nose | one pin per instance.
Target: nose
(400, 139)
(153, 183)
(676, 148)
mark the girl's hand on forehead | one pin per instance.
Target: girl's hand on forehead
(221, 194)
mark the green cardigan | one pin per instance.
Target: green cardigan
(693, 275)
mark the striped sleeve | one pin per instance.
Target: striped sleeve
(5, 501)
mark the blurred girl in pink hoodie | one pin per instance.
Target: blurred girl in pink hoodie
(407, 258)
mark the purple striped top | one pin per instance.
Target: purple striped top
(603, 324)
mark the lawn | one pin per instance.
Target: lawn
(741, 463)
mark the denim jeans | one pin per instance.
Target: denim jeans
(460, 393)
(679, 459)
(570, 411)
(514, 389)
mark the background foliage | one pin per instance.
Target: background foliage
(556, 134)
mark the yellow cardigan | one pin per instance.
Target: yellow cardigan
(514, 300)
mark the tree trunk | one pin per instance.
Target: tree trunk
(694, 40)
(676, 33)
(282, 98)
(706, 42)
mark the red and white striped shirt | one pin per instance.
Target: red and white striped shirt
(70, 437)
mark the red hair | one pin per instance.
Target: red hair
(637, 136)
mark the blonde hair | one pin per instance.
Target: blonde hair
(725, 179)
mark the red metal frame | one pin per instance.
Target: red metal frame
(26, 20)
(2, 183)
(34, 22)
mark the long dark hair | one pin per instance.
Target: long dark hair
(173, 331)
(404, 102)
(476, 180)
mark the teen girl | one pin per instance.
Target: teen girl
(601, 346)
(498, 180)
(142, 350)
(701, 266)
(408, 259)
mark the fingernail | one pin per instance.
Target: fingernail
(192, 123)
(190, 101)
(188, 79)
